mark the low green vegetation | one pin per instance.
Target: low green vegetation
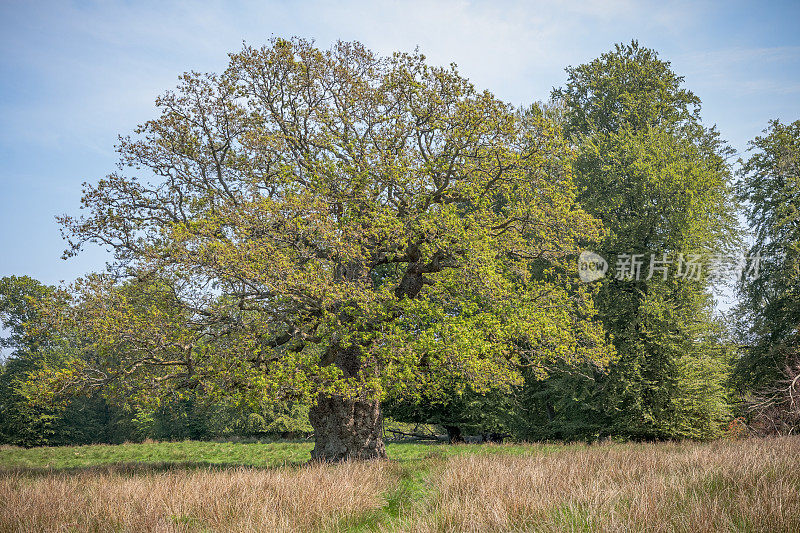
(198, 453)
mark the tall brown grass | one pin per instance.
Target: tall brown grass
(750, 485)
(242, 499)
(747, 485)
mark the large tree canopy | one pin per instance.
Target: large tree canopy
(660, 182)
(339, 226)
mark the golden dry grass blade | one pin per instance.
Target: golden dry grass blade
(746, 485)
(241, 499)
(725, 486)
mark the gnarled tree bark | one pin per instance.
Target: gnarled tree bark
(346, 428)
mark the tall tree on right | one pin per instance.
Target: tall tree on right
(769, 365)
(660, 182)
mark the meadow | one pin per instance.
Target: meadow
(727, 485)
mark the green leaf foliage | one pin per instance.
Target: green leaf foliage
(769, 186)
(660, 182)
(309, 203)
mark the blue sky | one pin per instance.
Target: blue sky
(74, 75)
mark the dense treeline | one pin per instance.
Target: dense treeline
(84, 417)
(87, 416)
(638, 354)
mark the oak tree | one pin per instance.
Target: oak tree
(338, 227)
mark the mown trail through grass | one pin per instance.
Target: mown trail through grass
(409, 489)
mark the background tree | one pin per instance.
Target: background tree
(24, 421)
(769, 185)
(31, 415)
(659, 180)
(491, 415)
(337, 227)
(20, 423)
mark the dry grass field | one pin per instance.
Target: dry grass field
(743, 485)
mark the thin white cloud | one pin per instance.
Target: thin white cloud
(746, 71)
(106, 62)
(73, 75)
(722, 60)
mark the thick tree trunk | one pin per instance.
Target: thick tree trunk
(454, 434)
(346, 429)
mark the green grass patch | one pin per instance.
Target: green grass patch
(574, 517)
(195, 453)
(187, 453)
(410, 489)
